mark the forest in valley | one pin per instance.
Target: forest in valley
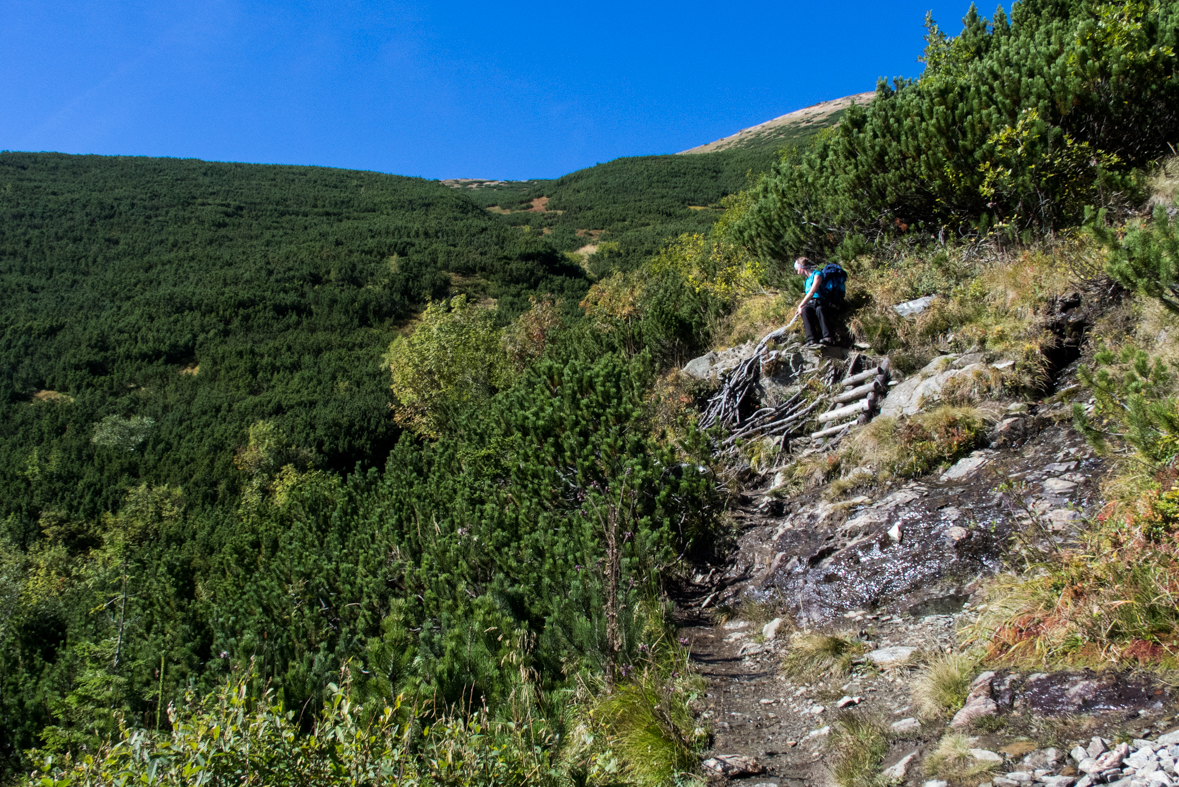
(313, 476)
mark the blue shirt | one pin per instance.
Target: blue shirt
(811, 280)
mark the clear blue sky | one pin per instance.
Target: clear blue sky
(436, 89)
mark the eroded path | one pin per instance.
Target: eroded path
(897, 567)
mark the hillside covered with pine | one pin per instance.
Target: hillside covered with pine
(314, 476)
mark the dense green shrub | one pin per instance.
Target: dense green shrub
(1020, 122)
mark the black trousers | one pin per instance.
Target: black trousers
(818, 321)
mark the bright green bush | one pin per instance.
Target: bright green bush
(1021, 122)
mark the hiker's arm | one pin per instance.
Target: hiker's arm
(810, 293)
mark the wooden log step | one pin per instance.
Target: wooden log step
(855, 379)
(843, 412)
(874, 386)
(830, 430)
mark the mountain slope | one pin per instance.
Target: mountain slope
(786, 128)
(206, 297)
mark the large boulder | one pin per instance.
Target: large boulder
(925, 387)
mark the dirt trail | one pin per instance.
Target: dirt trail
(897, 567)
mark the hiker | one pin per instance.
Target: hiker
(824, 295)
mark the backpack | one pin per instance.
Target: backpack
(834, 285)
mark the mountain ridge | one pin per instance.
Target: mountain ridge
(764, 134)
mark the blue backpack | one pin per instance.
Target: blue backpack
(834, 285)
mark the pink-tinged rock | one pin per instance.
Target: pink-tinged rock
(733, 766)
(977, 708)
(896, 773)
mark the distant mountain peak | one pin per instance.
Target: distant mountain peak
(765, 134)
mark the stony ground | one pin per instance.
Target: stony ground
(899, 568)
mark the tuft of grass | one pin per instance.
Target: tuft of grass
(953, 762)
(858, 746)
(812, 656)
(1089, 609)
(941, 687)
(980, 385)
(989, 301)
(1164, 183)
(902, 447)
(761, 453)
(990, 724)
(753, 318)
(649, 725)
(806, 473)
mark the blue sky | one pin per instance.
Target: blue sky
(497, 90)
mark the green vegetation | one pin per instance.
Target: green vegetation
(941, 688)
(213, 521)
(628, 207)
(858, 746)
(954, 762)
(194, 299)
(1016, 124)
(812, 656)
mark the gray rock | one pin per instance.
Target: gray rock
(1003, 781)
(966, 466)
(980, 702)
(1059, 781)
(935, 783)
(1109, 760)
(699, 367)
(955, 534)
(770, 630)
(896, 772)
(977, 709)
(847, 702)
(889, 658)
(1042, 758)
(1020, 777)
(1059, 517)
(733, 765)
(905, 725)
(983, 679)
(1097, 747)
(819, 733)
(1053, 468)
(1058, 486)
(753, 648)
(1008, 431)
(907, 397)
(914, 307)
(985, 755)
(1089, 766)
(1170, 739)
(1079, 754)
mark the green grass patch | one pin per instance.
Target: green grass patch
(813, 656)
(942, 685)
(858, 746)
(952, 761)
